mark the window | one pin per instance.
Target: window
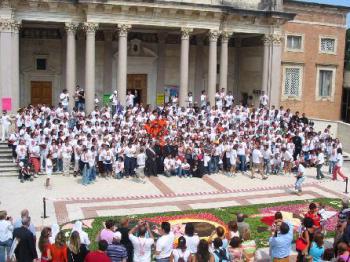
(325, 82)
(293, 75)
(40, 64)
(328, 45)
(294, 42)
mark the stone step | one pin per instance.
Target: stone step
(6, 160)
(7, 164)
(8, 169)
(5, 150)
(5, 154)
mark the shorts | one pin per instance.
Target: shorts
(108, 167)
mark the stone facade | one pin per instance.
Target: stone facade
(192, 46)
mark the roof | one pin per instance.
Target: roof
(340, 7)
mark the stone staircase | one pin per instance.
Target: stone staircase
(7, 167)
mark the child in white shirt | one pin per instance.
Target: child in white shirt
(119, 168)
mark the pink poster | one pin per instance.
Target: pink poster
(6, 103)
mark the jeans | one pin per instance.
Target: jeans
(331, 166)
(267, 166)
(129, 165)
(163, 259)
(85, 178)
(5, 249)
(242, 163)
(179, 172)
(299, 182)
(92, 174)
(216, 160)
(211, 168)
(319, 171)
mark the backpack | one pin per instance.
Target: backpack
(221, 254)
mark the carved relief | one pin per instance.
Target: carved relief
(275, 39)
(123, 29)
(213, 35)
(71, 27)
(185, 33)
(225, 36)
(9, 25)
(90, 28)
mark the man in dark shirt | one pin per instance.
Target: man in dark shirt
(297, 146)
(125, 241)
(25, 250)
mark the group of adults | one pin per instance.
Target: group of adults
(199, 139)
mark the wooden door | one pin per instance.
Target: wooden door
(138, 83)
(41, 92)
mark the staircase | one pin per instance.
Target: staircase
(7, 167)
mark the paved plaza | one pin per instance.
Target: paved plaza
(68, 200)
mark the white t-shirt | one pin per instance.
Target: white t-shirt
(339, 160)
(301, 170)
(165, 245)
(192, 243)
(178, 253)
(320, 158)
(142, 248)
(256, 156)
(141, 159)
(64, 99)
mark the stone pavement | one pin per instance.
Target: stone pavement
(68, 200)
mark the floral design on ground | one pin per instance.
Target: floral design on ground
(295, 213)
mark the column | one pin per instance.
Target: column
(213, 39)
(199, 87)
(90, 29)
(122, 62)
(225, 36)
(108, 61)
(15, 66)
(71, 62)
(161, 62)
(6, 58)
(276, 58)
(184, 60)
(238, 45)
(265, 75)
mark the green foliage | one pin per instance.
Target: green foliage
(259, 231)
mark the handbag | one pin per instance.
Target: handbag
(300, 244)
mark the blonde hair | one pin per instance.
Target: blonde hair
(246, 235)
(74, 242)
(3, 214)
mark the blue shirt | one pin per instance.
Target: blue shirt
(316, 252)
(18, 224)
(281, 245)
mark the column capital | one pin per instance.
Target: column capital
(90, 28)
(9, 25)
(275, 39)
(123, 29)
(213, 35)
(225, 36)
(71, 27)
(186, 32)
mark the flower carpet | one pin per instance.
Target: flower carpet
(259, 218)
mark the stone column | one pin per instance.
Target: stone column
(71, 62)
(122, 62)
(198, 88)
(213, 39)
(184, 60)
(90, 29)
(15, 66)
(161, 62)
(266, 58)
(225, 36)
(276, 57)
(108, 61)
(6, 58)
(237, 62)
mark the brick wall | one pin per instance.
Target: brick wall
(312, 22)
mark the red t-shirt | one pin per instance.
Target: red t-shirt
(97, 256)
(315, 217)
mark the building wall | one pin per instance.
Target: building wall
(311, 24)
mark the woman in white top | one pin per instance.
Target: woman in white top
(192, 239)
(84, 238)
(6, 230)
(181, 253)
(337, 169)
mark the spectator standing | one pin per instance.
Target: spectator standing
(142, 245)
(337, 169)
(108, 232)
(203, 254)
(5, 125)
(6, 230)
(181, 253)
(116, 251)
(164, 245)
(242, 226)
(192, 239)
(58, 250)
(44, 244)
(124, 230)
(25, 250)
(76, 251)
(64, 99)
(281, 243)
(99, 255)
